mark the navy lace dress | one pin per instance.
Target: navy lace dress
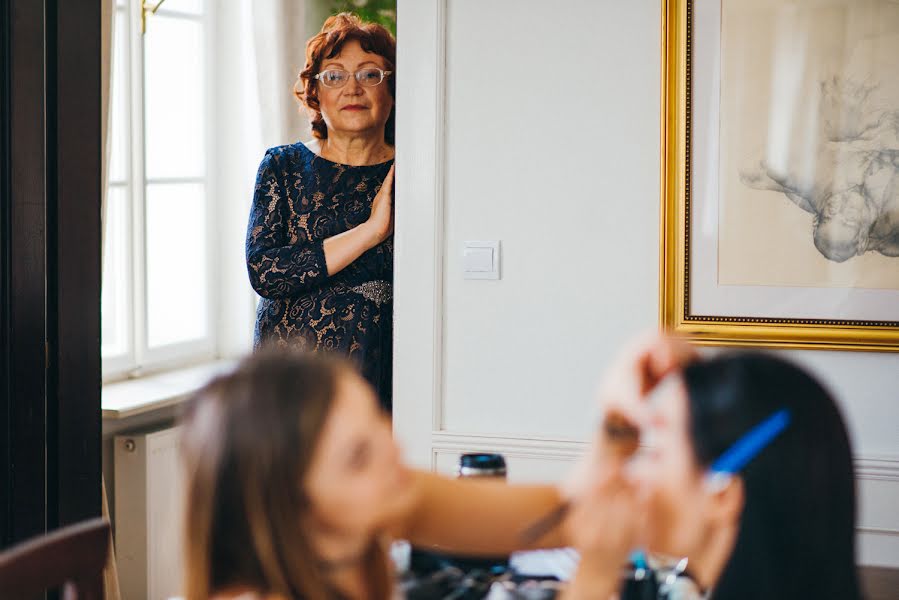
(300, 200)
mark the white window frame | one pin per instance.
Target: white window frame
(139, 358)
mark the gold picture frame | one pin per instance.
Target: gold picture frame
(675, 315)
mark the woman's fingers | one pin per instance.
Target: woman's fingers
(664, 354)
(381, 219)
(637, 371)
(604, 518)
(387, 186)
(386, 191)
(390, 177)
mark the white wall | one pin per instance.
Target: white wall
(550, 148)
(537, 124)
(866, 386)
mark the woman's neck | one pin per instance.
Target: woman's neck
(343, 558)
(707, 565)
(352, 582)
(357, 150)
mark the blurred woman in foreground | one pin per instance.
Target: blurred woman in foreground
(295, 489)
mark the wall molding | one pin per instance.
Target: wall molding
(872, 467)
(877, 467)
(544, 448)
(879, 531)
(419, 233)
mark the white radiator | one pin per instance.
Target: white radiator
(148, 490)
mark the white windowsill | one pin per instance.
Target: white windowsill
(126, 399)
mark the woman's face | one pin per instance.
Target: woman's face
(356, 482)
(354, 108)
(678, 501)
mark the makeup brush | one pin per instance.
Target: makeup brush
(623, 438)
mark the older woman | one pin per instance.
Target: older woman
(319, 248)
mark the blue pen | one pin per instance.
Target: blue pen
(748, 447)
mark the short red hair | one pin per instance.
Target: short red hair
(328, 43)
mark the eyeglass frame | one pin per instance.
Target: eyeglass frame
(355, 75)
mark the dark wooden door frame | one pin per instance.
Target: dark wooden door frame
(50, 417)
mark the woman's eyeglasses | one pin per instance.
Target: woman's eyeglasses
(336, 78)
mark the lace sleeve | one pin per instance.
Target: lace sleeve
(280, 263)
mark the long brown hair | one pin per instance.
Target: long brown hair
(328, 43)
(247, 441)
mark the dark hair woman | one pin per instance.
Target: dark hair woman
(319, 244)
(778, 526)
(295, 487)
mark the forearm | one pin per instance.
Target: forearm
(285, 271)
(478, 516)
(344, 248)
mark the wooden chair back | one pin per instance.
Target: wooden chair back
(71, 559)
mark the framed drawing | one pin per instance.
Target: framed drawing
(780, 172)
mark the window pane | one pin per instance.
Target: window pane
(114, 300)
(119, 130)
(177, 266)
(174, 79)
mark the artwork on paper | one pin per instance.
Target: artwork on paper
(808, 172)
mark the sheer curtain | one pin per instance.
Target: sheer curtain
(259, 51)
(280, 31)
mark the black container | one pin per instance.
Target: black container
(472, 465)
(481, 465)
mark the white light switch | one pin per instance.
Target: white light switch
(480, 260)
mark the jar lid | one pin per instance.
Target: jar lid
(482, 463)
